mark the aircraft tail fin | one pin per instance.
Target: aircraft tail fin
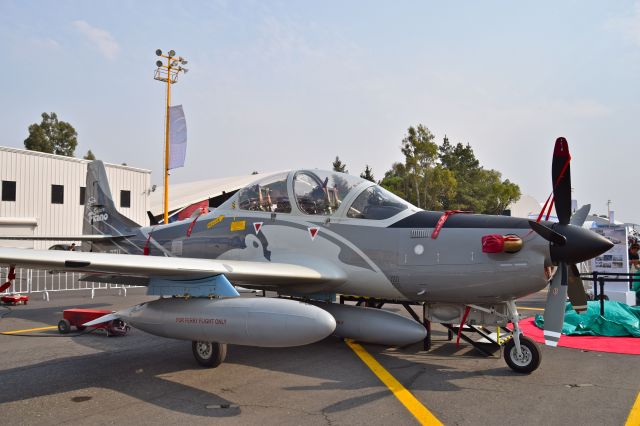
(100, 214)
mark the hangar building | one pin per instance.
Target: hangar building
(43, 194)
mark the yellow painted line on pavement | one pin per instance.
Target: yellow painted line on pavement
(634, 415)
(419, 411)
(51, 327)
(530, 309)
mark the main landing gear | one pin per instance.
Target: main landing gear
(520, 353)
(209, 354)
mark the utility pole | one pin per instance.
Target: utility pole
(168, 73)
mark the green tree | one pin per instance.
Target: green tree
(440, 186)
(498, 194)
(339, 166)
(479, 190)
(420, 152)
(396, 181)
(447, 177)
(89, 156)
(368, 174)
(461, 161)
(52, 136)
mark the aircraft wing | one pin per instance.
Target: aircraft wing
(96, 237)
(141, 268)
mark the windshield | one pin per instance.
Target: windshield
(376, 203)
(321, 192)
(269, 194)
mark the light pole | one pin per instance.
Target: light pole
(168, 73)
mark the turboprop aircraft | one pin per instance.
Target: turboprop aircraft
(310, 234)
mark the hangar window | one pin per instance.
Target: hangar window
(57, 194)
(83, 192)
(125, 198)
(8, 190)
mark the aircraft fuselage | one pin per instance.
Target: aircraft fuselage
(394, 259)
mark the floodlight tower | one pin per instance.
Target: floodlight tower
(168, 73)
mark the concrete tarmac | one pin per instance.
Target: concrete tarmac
(47, 378)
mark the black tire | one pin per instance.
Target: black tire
(209, 354)
(64, 326)
(531, 356)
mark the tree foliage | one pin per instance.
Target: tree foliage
(52, 136)
(420, 152)
(339, 166)
(447, 177)
(368, 174)
(89, 156)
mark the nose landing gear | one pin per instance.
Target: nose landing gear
(527, 360)
(520, 353)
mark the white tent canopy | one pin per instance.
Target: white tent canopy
(182, 195)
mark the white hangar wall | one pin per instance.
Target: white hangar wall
(34, 213)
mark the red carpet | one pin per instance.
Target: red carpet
(618, 345)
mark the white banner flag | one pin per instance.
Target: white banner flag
(177, 137)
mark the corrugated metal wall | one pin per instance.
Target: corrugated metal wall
(35, 172)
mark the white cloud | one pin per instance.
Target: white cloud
(45, 43)
(102, 39)
(627, 25)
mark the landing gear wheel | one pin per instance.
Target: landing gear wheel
(528, 361)
(64, 326)
(209, 354)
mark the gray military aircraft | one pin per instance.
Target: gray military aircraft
(311, 234)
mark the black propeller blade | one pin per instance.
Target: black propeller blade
(548, 233)
(555, 306)
(577, 295)
(561, 176)
(570, 244)
(580, 215)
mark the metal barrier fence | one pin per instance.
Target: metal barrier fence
(29, 281)
(599, 279)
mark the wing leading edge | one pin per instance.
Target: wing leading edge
(97, 237)
(144, 267)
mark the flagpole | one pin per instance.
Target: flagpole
(168, 73)
(166, 148)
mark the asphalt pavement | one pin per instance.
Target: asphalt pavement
(47, 378)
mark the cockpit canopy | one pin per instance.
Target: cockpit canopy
(318, 193)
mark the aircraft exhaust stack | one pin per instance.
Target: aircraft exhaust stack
(261, 322)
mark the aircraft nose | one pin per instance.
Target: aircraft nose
(582, 244)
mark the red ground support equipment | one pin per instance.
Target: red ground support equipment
(77, 317)
(14, 299)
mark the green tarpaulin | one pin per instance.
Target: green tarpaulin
(619, 320)
(635, 286)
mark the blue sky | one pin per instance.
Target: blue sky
(287, 84)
